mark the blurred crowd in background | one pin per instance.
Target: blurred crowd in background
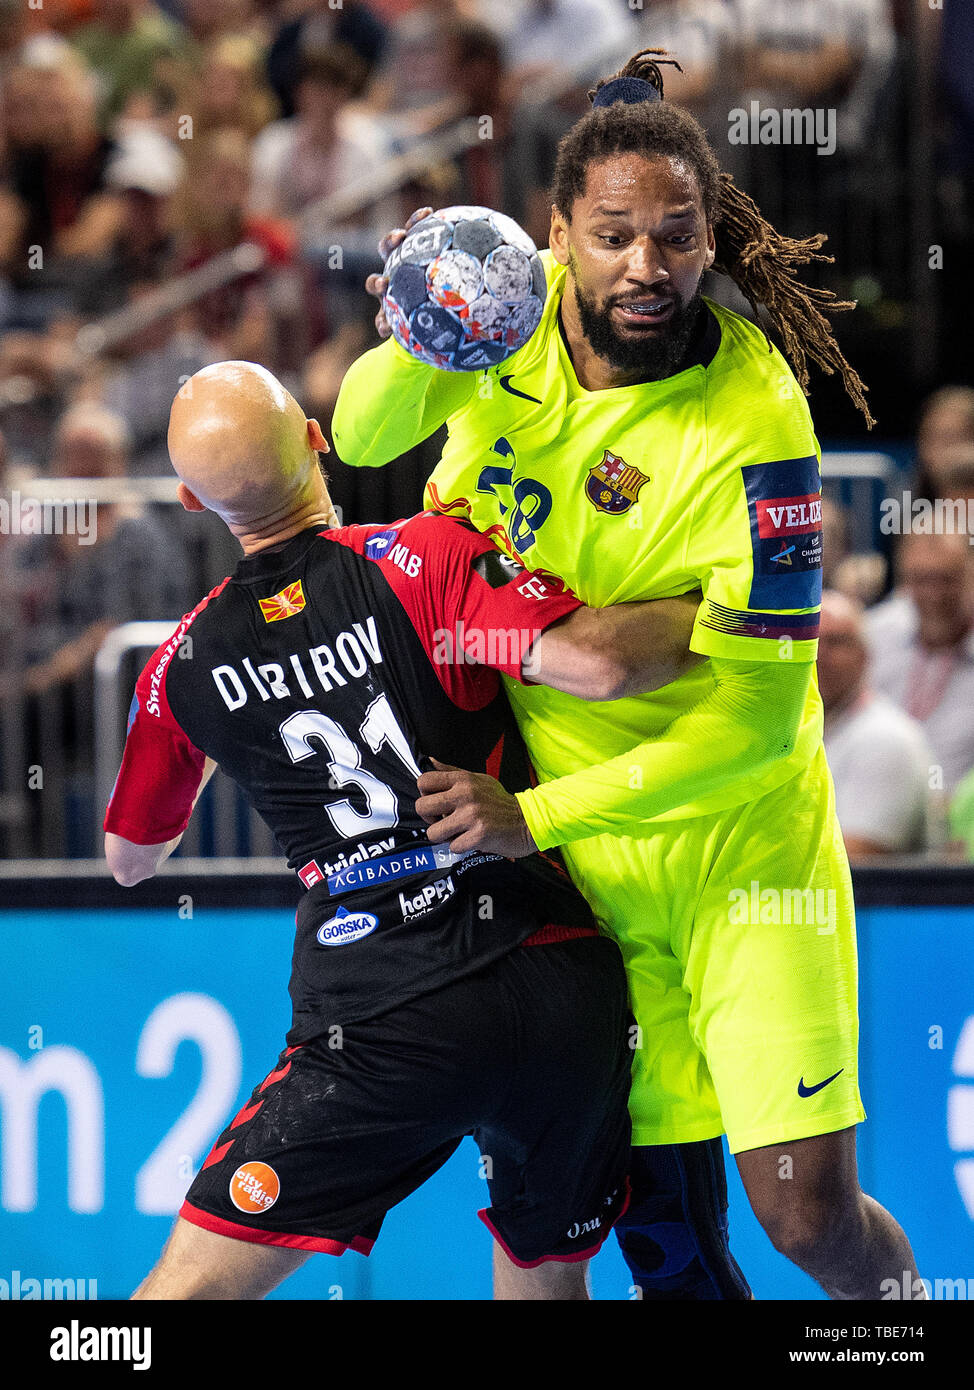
(143, 145)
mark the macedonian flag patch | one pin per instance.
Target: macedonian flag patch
(283, 605)
(613, 485)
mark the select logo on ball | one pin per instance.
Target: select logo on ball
(467, 289)
(254, 1188)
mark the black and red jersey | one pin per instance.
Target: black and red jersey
(321, 676)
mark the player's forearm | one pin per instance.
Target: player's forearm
(609, 653)
(389, 403)
(748, 722)
(132, 863)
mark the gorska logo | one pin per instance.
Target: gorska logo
(345, 927)
(254, 1187)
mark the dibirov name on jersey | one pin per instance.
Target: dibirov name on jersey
(270, 679)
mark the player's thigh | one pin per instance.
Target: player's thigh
(550, 1281)
(771, 969)
(200, 1264)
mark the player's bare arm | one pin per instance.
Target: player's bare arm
(132, 863)
(749, 721)
(610, 653)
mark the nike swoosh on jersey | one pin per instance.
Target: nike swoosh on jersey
(804, 1090)
(513, 391)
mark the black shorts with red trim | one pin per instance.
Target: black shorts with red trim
(530, 1055)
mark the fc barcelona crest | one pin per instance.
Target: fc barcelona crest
(613, 485)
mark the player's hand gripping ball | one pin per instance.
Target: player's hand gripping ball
(466, 289)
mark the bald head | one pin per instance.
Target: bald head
(243, 448)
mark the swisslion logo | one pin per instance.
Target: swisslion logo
(283, 605)
(254, 1188)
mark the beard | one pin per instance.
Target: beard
(650, 358)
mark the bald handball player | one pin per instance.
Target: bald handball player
(473, 993)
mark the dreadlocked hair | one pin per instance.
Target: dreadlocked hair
(762, 263)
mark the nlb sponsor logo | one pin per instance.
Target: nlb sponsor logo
(346, 927)
(254, 1188)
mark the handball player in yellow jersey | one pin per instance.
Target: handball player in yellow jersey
(644, 443)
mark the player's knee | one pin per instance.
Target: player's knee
(809, 1229)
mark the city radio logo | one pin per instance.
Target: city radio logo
(254, 1188)
(283, 605)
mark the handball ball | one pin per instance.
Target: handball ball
(466, 289)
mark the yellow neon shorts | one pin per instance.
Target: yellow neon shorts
(738, 933)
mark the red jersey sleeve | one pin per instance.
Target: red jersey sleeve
(161, 770)
(475, 610)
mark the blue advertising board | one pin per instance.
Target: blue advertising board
(129, 1036)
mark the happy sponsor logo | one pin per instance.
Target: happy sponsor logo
(345, 927)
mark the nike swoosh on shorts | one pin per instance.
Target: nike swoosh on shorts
(804, 1090)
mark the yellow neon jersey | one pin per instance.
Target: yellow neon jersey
(707, 479)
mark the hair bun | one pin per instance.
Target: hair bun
(631, 90)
